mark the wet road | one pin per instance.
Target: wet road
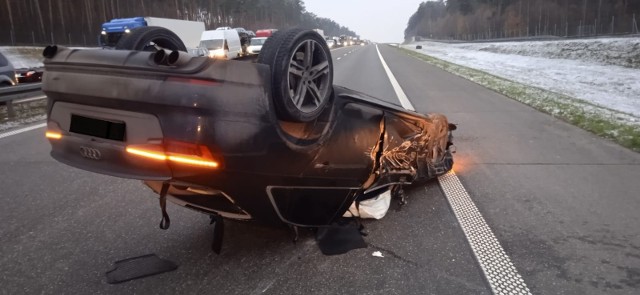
(562, 203)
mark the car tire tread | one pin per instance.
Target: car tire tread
(276, 52)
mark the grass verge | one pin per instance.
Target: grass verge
(25, 113)
(603, 122)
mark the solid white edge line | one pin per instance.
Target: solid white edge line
(496, 265)
(404, 100)
(21, 130)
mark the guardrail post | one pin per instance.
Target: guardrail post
(17, 94)
(10, 112)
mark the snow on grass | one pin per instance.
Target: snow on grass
(613, 87)
(23, 56)
(607, 51)
(621, 127)
(25, 113)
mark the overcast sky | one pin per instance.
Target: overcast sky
(377, 20)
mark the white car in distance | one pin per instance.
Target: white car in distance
(256, 45)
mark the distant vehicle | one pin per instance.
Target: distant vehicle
(116, 33)
(200, 51)
(7, 72)
(321, 32)
(251, 34)
(224, 28)
(244, 38)
(222, 44)
(256, 45)
(347, 40)
(29, 75)
(331, 43)
(265, 33)
(240, 30)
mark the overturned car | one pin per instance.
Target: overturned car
(270, 140)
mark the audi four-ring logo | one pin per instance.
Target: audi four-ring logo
(90, 153)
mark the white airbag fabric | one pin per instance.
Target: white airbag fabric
(371, 208)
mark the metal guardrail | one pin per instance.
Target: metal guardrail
(17, 94)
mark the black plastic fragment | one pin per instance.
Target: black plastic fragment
(341, 237)
(218, 233)
(165, 222)
(139, 267)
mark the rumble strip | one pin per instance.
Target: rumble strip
(496, 265)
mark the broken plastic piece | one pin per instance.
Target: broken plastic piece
(138, 267)
(165, 222)
(341, 237)
(218, 233)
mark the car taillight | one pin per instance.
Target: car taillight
(176, 152)
(53, 135)
(201, 82)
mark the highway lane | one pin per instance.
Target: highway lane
(560, 201)
(563, 202)
(359, 68)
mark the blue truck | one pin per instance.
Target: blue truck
(113, 31)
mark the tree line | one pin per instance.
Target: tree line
(78, 22)
(489, 19)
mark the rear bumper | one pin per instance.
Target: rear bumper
(224, 105)
(101, 155)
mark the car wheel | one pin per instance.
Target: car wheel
(301, 73)
(151, 39)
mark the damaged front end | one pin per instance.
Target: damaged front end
(413, 150)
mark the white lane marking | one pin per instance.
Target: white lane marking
(346, 54)
(21, 130)
(339, 58)
(502, 275)
(496, 265)
(404, 101)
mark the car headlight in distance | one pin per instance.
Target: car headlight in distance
(218, 53)
(104, 32)
(127, 31)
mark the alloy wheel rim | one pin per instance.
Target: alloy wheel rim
(308, 77)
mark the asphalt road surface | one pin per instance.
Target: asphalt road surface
(563, 203)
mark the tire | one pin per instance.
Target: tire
(151, 39)
(302, 84)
